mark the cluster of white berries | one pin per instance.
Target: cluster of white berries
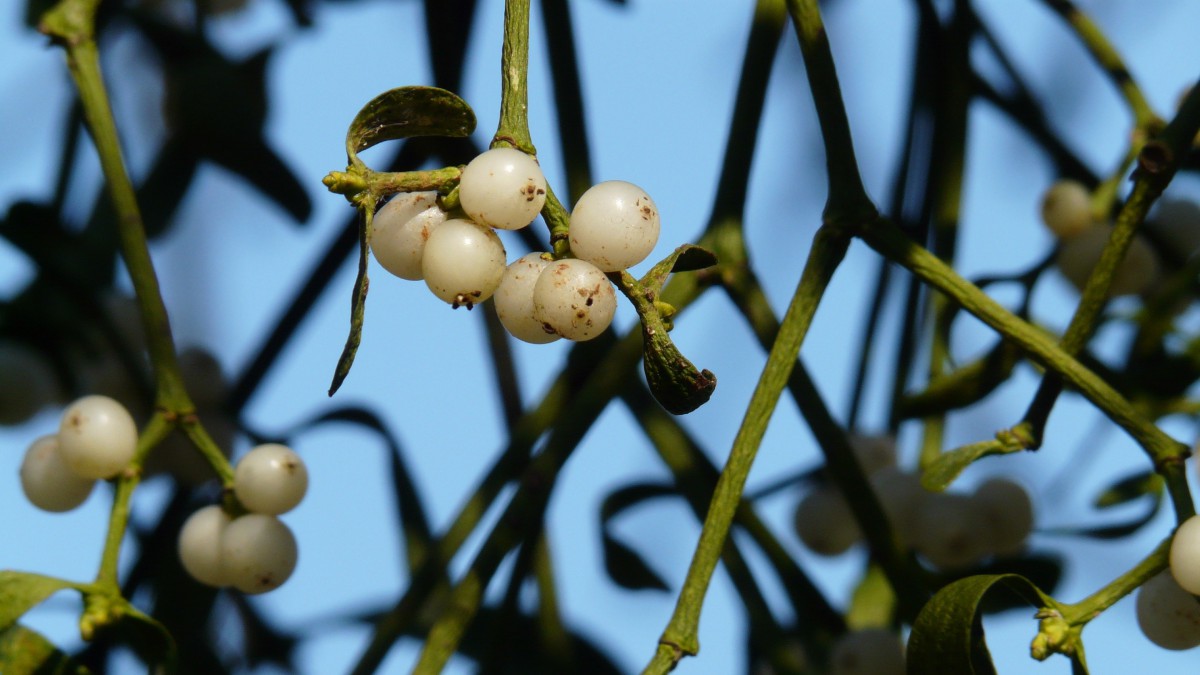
(96, 438)
(1168, 605)
(1067, 213)
(255, 552)
(949, 530)
(614, 225)
(1174, 224)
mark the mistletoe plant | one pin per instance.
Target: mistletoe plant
(936, 556)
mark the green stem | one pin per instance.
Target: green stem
(1107, 58)
(155, 431)
(514, 68)
(1161, 448)
(555, 641)
(681, 634)
(1090, 607)
(1158, 161)
(71, 24)
(526, 510)
(568, 97)
(847, 196)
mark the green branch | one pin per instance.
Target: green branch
(514, 67)
(681, 634)
(1110, 61)
(889, 241)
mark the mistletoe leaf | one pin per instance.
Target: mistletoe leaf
(942, 471)
(690, 258)
(626, 568)
(947, 636)
(406, 112)
(26, 652)
(675, 382)
(1129, 489)
(21, 591)
(358, 301)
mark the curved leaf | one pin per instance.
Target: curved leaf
(21, 591)
(26, 652)
(690, 258)
(942, 472)
(148, 638)
(947, 636)
(624, 565)
(1130, 488)
(406, 112)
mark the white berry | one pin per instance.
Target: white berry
(614, 225)
(873, 651)
(1007, 512)
(200, 546)
(400, 229)
(950, 531)
(47, 481)
(574, 299)
(270, 479)
(258, 553)
(1185, 555)
(97, 437)
(873, 453)
(1168, 615)
(463, 262)
(1135, 274)
(502, 188)
(514, 300)
(824, 521)
(1067, 209)
(900, 496)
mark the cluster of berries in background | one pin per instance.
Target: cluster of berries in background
(614, 226)
(254, 552)
(1170, 235)
(112, 362)
(96, 439)
(950, 531)
(1168, 610)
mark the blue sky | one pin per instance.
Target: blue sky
(659, 78)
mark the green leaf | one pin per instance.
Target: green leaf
(406, 112)
(942, 471)
(1129, 489)
(149, 639)
(628, 570)
(1043, 571)
(26, 652)
(690, 258)
(358, 301)
(947, 634)
(1118, 531)
(21, 591)
(623, 564)
(675, 382)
